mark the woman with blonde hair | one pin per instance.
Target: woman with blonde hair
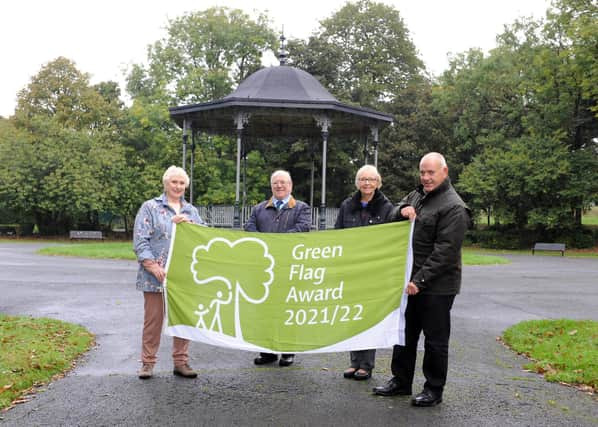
(151, 242)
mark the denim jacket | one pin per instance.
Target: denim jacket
(151, 236)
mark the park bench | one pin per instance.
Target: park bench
(8, 230)
(558, 247)
(83, 234)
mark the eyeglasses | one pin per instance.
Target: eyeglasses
(281, 183)
(366, 180)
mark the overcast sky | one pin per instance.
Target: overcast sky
(105, 37)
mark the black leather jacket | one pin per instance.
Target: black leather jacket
(441, 222)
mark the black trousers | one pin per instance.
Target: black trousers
(273, 356)
(432, 315)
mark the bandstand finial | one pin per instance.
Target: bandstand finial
(283, 54)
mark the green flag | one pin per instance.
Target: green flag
(336, 290)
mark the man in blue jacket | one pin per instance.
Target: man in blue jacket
(281, 213)
(441, 219)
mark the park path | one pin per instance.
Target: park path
(486, 385)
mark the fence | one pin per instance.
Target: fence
(223, 216)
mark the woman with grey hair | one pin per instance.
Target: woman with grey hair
(367, 206)
(151, 243)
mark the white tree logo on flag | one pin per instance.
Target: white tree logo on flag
(238, 283)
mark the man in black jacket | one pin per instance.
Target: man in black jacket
(441, 219)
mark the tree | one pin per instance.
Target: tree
(363, 54)
(65, 154)
(203, 57)
(521, 181)
(529, 100)
(61, 92)
(12, 208)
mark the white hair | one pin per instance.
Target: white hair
(175, 171)
(369, 168)
(436, 156)
(281, 172)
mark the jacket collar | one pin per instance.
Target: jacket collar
(291, 203)
(163, 199)
(356, 199)
(444, 186)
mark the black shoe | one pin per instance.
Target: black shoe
(286, 360)
(265, 358)
(362, 374)
(427, 398)
(392, 388)
(349, 373)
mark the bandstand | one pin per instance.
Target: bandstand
(280, 103)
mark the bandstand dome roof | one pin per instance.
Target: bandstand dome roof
(282, 101)
(282, 83)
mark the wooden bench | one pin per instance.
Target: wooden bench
(557, 247)
(88, 235)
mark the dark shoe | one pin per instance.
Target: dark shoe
(349, 373)
(184, 371)
(362, 374)
(146, 371)
(427, 398)
(286, 359)
(392, 388)
(264, 359)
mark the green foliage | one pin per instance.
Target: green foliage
(581, 237)
(418, 129)
(63, 148)
(521, 182)
(498, 238)
(479, 99)
(60, 92)
(204, 54)
(368, 52)
(33, 351)
(215, 162)
(523, 121)
(562, 350)
(364, 55)
(509, 237)
(518, 126)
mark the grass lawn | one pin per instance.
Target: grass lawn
(35, 351)
(590, 217)
(569, 253)
(562, 350)
(111, 250)
(123, 250)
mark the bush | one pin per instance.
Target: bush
(495, 238)
(16, 229)
(580, 238)
(504, 237)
